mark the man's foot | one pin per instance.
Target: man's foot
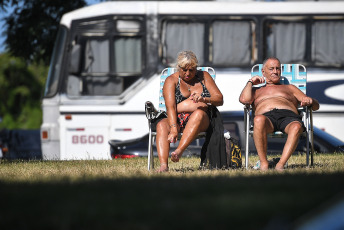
(175, 156)
(264, 166)
(163, 168)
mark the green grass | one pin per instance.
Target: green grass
(122, 194)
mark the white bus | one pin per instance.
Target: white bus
(108, 57)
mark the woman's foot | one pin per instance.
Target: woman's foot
(279, 167)
(163, 168)
(264, 166)
(175, 156)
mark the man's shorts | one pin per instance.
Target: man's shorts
(280, 118)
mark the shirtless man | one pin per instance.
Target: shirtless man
(275, 107)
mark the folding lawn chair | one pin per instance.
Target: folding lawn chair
(151, 112)
(295, 74)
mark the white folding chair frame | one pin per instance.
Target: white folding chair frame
(306, 112)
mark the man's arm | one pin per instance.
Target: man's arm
(308, 101)
(304, 100)
(247, 94)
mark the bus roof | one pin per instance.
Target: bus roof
(203, 7)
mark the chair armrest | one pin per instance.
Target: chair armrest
(150, 110)
(304, 109)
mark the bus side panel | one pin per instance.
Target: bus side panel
(50, 134)
(85, 137)
(128, 126)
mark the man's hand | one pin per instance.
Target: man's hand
(306, 101)
(256, 80)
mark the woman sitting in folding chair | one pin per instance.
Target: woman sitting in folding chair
(275, 107)
(188, 94)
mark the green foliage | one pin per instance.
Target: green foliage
(7, 3)
(32, 27)
(21, 87)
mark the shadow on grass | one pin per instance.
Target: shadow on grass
(166, 202)
(304, 166)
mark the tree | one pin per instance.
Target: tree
(32, 28)
(20, 93)
(7, 3)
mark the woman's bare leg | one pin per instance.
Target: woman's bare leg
(198, 122)
(162, 144)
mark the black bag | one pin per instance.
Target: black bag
(233, 151)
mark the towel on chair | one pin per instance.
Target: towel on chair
(213, 153)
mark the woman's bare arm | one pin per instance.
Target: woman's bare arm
(170, 102)
(216, 98)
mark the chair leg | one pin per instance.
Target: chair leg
(307, 148)
(247, 123)
(312, 136)
(306, 119)
(150, 151)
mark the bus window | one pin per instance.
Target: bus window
(214, 41)
(286, 40)
(231, 37)
(183, 36)
(328, 44)
(128, 55)
(111, 56)
(97, 56)
(55, 65)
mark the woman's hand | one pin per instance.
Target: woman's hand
(196, 97)
(173, 135)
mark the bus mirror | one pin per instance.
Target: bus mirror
(74, 64)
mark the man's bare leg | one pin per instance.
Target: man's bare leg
(294, 130)
(198, 122)
(262, 126)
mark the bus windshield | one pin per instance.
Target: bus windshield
(56, 64)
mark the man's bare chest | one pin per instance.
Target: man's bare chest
(274, 91)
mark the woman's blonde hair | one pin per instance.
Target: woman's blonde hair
(186, 58)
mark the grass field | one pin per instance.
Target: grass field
(122, 194)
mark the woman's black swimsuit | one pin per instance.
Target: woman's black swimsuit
(183, 118)
(179, 95)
